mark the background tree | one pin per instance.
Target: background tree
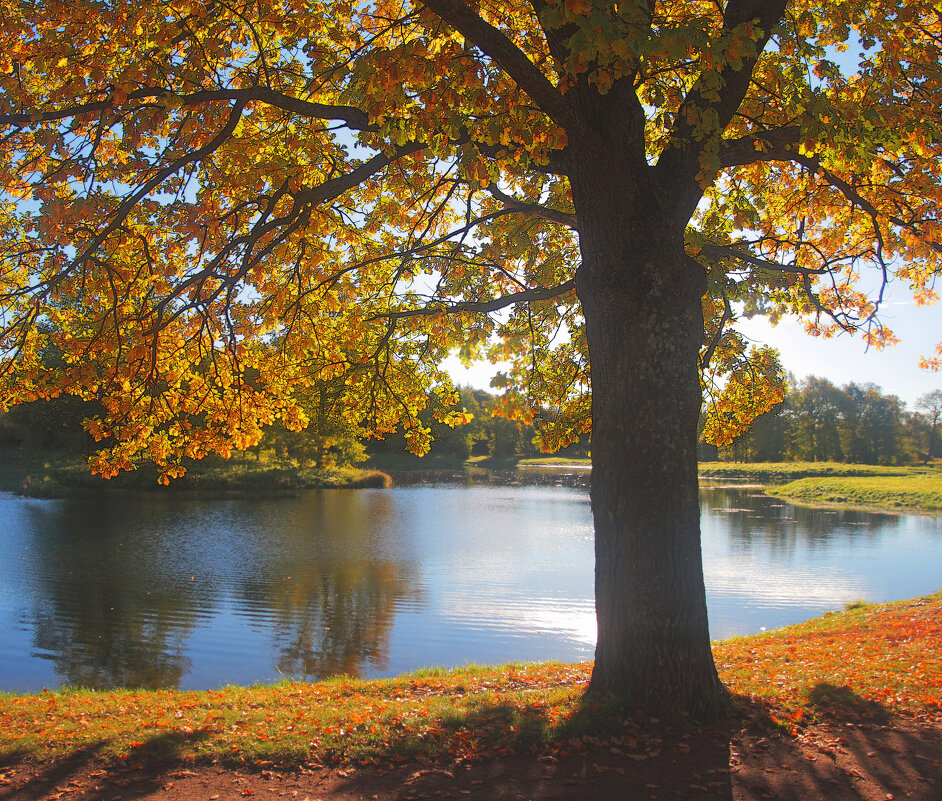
(816, 415)
(871, 425)
(373, 185)
(930, 405)
(818, 421)
(329, 437)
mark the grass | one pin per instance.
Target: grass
(788, 471)
(884, 658)
(557, 461)
(870, 661)
(50, 475)
(922, 493)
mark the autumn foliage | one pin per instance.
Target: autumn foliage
(207, 208)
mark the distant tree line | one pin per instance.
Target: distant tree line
(486, 434)
(819, 421)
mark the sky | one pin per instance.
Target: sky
(841, 359)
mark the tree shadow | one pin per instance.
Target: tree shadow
(842, 703)
(50, 774)
(140, 774)
(502, 751)
(506, 751)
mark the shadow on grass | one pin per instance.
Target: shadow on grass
(502, 751)
(495, 750)
(142, 772)
(842, 703)
(44, 778)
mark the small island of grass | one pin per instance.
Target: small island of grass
(53, 475)
(917, 493)
(874, 487)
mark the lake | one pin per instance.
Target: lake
(170, 590)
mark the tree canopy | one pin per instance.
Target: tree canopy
(209, 206)
(230, 199)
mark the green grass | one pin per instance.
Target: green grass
(407, 461)
(922, 493)
(787, 471)
(557, 461)
(871, 661)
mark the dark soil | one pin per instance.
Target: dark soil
(746, 759)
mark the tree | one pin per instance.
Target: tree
(816, 421)
(561, 183)
(871, 425)
(329, 436)
(930, 405)
(816, 412)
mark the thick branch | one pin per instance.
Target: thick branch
(329, 190)
(150, 185)
(681, 157)
(717, 252)
(510, 58)
(353, 117)
(484, 306)
(773, 145)
(533, 209)
(847, 190)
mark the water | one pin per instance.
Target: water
(164, 590)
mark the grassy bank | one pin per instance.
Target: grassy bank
(406, 461)
(764, 472)
(921, 493)
(872, 660)
(777, 472)
(50, 475)
(556, 461)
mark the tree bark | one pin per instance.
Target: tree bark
(641, 298)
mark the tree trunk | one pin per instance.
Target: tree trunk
(641, 298)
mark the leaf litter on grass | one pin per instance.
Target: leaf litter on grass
(868, 661)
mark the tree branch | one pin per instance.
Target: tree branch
(510, 58)
(717, 252)
(353, 117)
(151, 184)
(533, 209)
(771, 145)
(483, 306)
(681, 156)
(714, 343)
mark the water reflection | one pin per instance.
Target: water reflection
(750, 517)
(109, 609)
(328, 582)
(120, 582)
(164, 590)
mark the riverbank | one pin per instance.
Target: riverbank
(871, 487)
(50, 475)
(780, 472)
(847, 486)
(870, 672)
(914, 493)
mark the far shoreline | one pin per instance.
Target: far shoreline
(896, 489)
